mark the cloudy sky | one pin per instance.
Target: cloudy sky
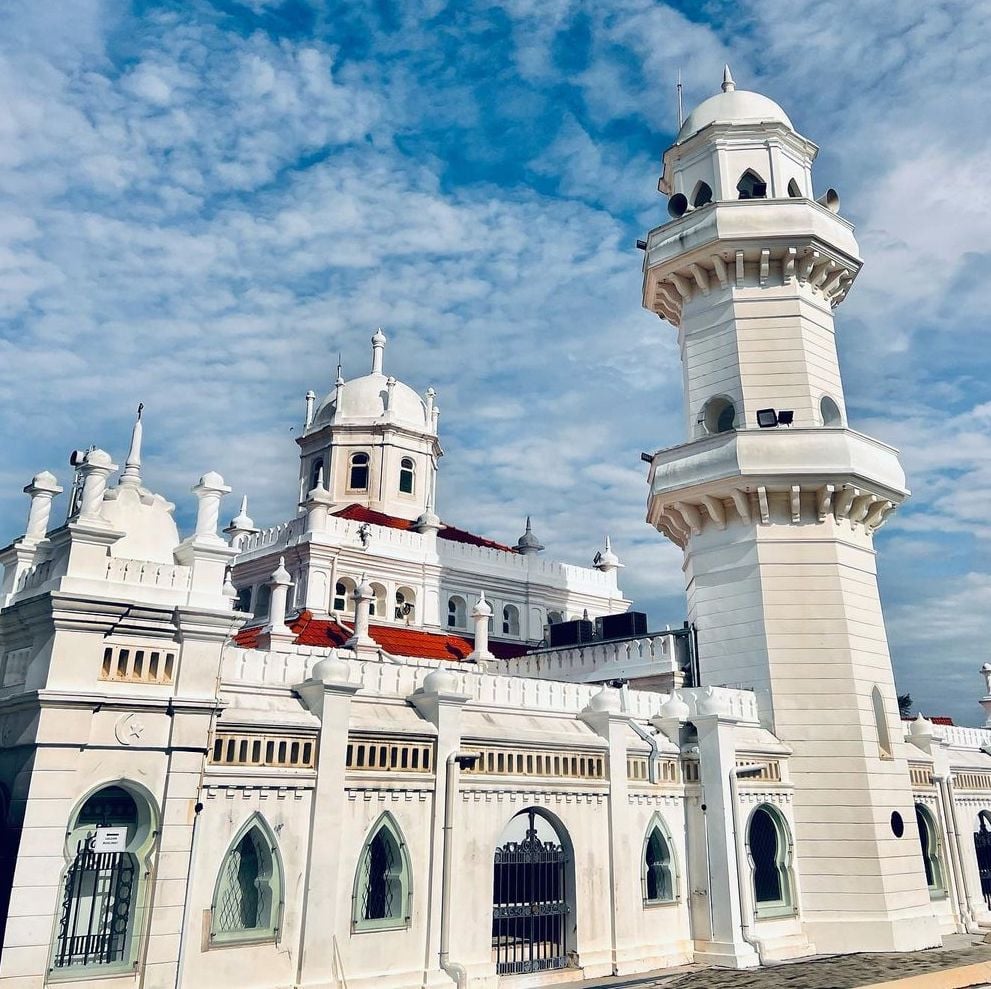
(203, 203)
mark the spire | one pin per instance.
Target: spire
(378, 346)
(728, 84)
(528, 544)
(340, 372)
(132, 466)
(606, 560)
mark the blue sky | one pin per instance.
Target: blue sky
(204, 203)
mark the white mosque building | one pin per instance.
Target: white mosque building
(366, 748)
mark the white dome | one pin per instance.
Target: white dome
(736, 106)
(365, 399)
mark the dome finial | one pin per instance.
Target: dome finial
(132, 465)
(378, 346)
(728, 84)
(340, 371)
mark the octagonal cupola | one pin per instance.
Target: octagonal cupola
(736, 145)
(373, 440)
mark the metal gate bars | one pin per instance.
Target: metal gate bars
(529, 908)
(96, 909)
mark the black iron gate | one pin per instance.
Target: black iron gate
(529, 908)
(96, 908)
(982, 845)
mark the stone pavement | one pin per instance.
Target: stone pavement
(831, 972)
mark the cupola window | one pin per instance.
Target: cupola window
(316, 473)
(793, 189)
(830, 412)
(702, 195)
(376, 606)
(456, 612)
(751, 186)
(344, 596)
(405, 605)
(511, 621)
(406, 475)
(719, 415)
(358, 472)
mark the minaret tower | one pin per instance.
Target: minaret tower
(774, 501)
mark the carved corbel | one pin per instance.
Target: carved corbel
(690, 514)
(765, 266)
(788, 265)
(861, 506)
(682, 285)
(824, 501)
(740, 271)
(675, 522)
(806, 265)
(722, 272)
(716, 509)
(876, 513)
(844, 501)
(796, 504)
(762, 502)
(701, 278)
(742, 502)
(821, 272)
(833, 283)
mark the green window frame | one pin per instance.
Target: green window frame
(382, 897)
(658, 875)
(247, 897)
(769, 851)
(929, 844)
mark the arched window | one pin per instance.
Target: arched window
(793, 190)
(657, 874)
(405, 605)
(406, 475)
(830, 412)
(247, 900)
(751, 186)
(101, 914)
(511, 621)
(881, 723)
(377, 606)
(702, 195)
(767, 842)
(929, 843)
(718, 415)
(533, 895)
(383, 891)
(456, 612)
(358, 472)
(243, 600)
(554, 617)
(344, 596)
(317, 473)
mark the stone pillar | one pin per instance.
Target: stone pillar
(276, 631)
(205, 552)
(986, 699)
(363, 595)
(95, 469)
(311, 398)
(317, 506)
(327, 693)
(480, 615)
(42, 489)
(209, 492)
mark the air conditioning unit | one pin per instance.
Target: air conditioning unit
(627, 625)
(572, 633)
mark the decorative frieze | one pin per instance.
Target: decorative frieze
(495, 761)
(638, 769)
(389, 755)
(921, 774)
(134, 664)
(770, 770)
(263, 751)
(972, 780)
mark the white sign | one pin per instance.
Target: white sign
(110, 840)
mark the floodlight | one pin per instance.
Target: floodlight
(786, 417)
(766, 418)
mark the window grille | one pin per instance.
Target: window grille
(770, 771)
(690, 770)
(383, 755)
(247, 900)
(972, 781)
(658, 882)
(920, 775)
(638, 769)
(132, 665)
(283, 751)
(523, 762)
(382, 889)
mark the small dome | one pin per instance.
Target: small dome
(528, 543)
(674, 709)
(732, 106)
(440, 681)
(921, 727)
(607, 699)
(482, 608)
(366, 400)
(331, 669)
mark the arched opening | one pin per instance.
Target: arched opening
(929, 845)
(718, 415)
(343, 602)
(407, 475)
(768, 847)
(358, 472)
(457, 612)
(383, 889)
(377, 608)
(101, 913)
(881, 724)
(702, 195)
(263, 600)
(830, 412)
(511, 621)
(657, 874)
(533, 916)
(793, 189)
(405, 605)
(247, 898)
(982, 848)
(751, 186)
(318, 475)
(243, 600)
(554, 617)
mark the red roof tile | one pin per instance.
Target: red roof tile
(398, 640)
(936, 719)
(358, 513)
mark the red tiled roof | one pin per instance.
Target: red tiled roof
(936, 719)
(398, 640)
(358, 513)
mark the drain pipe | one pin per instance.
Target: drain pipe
(735, 774)
(651, 740)
(455, 762)
(944, 784)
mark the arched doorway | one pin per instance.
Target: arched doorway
(533, 880)
(982, 846)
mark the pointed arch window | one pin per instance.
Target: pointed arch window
(383, 888)
(751, 186)
(511, 621)
(881, 723)
(658, 876)
(793, 190)
(702, 195)
(317, 473)
(929, 844)
(769, 846)
(247, 900)
(358, 472)
(407, 475)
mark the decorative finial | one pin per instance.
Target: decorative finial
(728, 84)
(340, 371)
(378, 346)
(528, 543)
(132, 465)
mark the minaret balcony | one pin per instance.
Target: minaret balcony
(762, 476)
(751, 243)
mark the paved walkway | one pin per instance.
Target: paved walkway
(832, 972)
